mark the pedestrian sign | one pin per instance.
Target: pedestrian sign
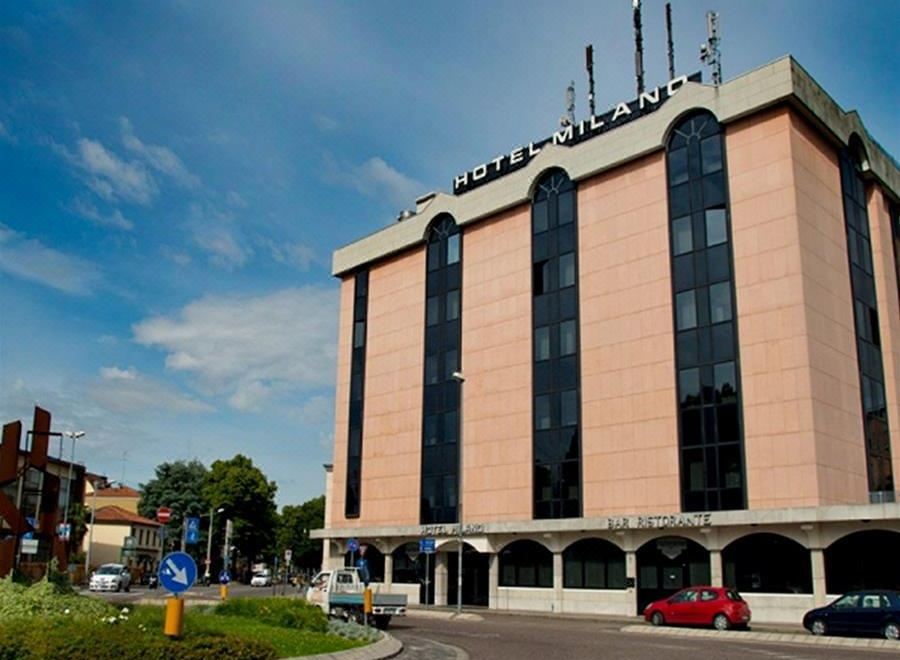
(192, 535)
(352, 545)
(177, 572)
(426, 545)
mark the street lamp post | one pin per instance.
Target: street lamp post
(74, 435)
(212, 517)
(461, 379)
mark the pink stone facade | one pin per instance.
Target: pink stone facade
(802, 421)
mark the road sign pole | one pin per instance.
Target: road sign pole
(427, 576)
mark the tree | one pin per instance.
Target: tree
(294, 526)
(179, 486)
(248, 498)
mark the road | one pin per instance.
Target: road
(139, 592)
(523, 637)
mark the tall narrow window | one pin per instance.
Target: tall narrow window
(706, 350)
(357, 386)
(868, 338)
(556, 383)
(440, 410)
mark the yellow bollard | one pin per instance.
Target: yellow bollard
(367, 600)
(223, 591)
(174, 616)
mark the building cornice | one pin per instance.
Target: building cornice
(783, 81)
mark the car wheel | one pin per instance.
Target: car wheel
(657, 619)
(818, 627)
(128, 587)
(892, 630)
(721, 622)
(118, 587)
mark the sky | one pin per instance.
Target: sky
(175, 176)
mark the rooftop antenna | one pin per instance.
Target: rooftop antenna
(638, 47)
(589, 62)
(709, 52)
(568, 119)
(670, 45)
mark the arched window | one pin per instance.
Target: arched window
(705, 318)
(556, 372)
(526, 564)
(863, 560)
(593, 564)
(767, 563)
(868, 334)
(440, 409)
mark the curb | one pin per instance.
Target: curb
(768, 637)
(386, 647)
(442, 614)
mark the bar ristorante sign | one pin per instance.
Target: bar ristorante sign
(571, 135)
(660, 522)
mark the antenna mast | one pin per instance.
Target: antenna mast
(568, 119)
(709, 52)
(589, 62)
(670, 45)
(638, 47)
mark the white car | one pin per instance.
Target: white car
(261, 579)
(111, 577)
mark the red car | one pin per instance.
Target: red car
(701, 606)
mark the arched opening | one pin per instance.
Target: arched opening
(413, 567)
(373, 558)
(668, 564)
(526, 564)
(767, 563)
(475, 582)
(593, 564)
(863, 560)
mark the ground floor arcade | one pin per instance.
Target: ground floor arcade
(784, 562)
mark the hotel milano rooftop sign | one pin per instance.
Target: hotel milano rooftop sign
(573, 134)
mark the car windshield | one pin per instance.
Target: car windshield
(733, 595)
(109, 569)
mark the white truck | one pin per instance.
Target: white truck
(340, 593)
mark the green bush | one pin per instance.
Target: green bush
(45, 639)
(283, 612)
(44, 598)
(354, 631)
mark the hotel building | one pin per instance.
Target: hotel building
(661, 348)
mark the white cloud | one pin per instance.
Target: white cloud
(88, 211)
(175, 256)
(31, 260)
(161, 159)
(251, 348)
(325, 123)
(126, 390)
(374, 178)
(224, 249)
(109, 176)
(297, 255)
(234, 199)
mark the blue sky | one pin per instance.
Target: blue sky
(174, 177)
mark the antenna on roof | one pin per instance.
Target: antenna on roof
(589, 63)
(709, 52)
(568, 119)
(638, 47)
(670, 45)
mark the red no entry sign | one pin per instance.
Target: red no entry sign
(163, 514)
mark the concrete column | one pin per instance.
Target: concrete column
(388, 570)
(557, 604)
(631, 572)
(715, 568)
(440, 578)
(817, 558)
(494, 582)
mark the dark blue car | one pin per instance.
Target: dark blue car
(869, 612)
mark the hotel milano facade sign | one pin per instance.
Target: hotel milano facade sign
(570, 135)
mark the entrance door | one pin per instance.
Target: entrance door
(475, 577)
(668, 565)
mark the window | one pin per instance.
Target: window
(359, 334)
(593, 564)
(357, 394)
(706, 351)
(440, 409)
(555, 370)
(526, 564)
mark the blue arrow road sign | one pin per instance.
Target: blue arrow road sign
(426, 546)
(352, 545)
(33, 522)
(177, 572)
(193, 531)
